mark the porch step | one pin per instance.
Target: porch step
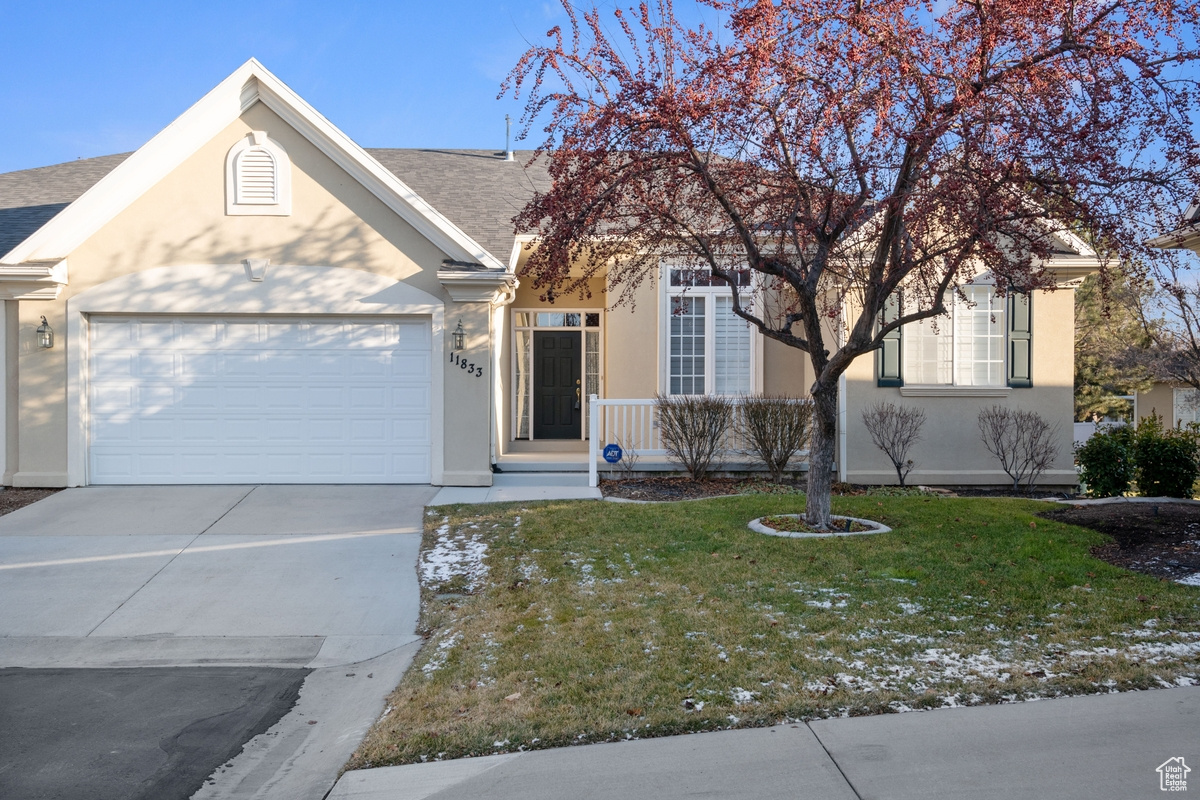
(507, 466)
(543, 462)
(542, 446)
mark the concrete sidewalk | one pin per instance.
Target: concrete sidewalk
(1093, 748)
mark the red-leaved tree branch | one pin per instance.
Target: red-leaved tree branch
(852, 151)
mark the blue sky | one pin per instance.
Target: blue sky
(85, 79)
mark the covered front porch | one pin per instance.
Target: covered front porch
(623, 440)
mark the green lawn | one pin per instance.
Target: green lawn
(557, 623)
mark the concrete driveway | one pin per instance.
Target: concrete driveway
(255, 577)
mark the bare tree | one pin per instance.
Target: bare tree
(1023, 441)
(776, 427)
(894, 430)
(1175, 355)
(693, 429)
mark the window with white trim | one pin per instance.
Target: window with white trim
(1186, 408)
(258, 177)
(709, 349)
(964, 349)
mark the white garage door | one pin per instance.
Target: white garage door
(245, 400)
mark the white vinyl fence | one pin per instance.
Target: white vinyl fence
(633, 425)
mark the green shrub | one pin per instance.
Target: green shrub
(1166, 459)
(1106, 462)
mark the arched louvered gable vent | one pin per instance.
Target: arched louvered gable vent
(258, 177)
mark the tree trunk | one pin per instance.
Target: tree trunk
(820, 457)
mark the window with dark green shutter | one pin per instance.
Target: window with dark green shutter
(889, 358)
(1020, 340)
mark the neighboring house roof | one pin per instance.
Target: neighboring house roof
(31, 197)
(1185, 236)
(477, 190)
(249, 84)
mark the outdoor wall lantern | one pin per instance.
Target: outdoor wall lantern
(45, 334)
(458, 338)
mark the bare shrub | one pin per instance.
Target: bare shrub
(629, 457)
(693, 429)
(776, 428)
(1023, 441)
(894, 430)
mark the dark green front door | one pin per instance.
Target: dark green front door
(557, 398)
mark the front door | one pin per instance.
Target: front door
(558, 396)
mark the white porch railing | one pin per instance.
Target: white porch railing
(632, 425)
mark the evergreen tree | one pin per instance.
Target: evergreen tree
(1114, 345)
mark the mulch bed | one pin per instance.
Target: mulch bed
(12, 499)
(669, 488)
(1161, 539)
(794, 523)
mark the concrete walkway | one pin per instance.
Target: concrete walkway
(1090, 748)
(508, 487)
(254, 577)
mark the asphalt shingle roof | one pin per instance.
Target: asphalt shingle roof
(477, 190)
(29, 198)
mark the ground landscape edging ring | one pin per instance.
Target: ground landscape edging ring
(878, 527)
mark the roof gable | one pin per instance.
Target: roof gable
(65, 230)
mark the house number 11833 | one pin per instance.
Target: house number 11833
(469, 366)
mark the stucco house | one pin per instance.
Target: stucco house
(1177, 403)
(252, 297)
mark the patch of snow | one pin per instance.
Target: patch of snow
(440, 654)
(452, 556)
(1190, 580)
(1154, 652)
(741, 696)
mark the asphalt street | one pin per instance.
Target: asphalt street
(128, 734)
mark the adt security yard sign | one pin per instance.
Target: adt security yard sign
(612, 453)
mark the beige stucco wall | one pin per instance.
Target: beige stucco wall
(1161, 400)
(335, 222)
(632, 344)
(950, 452)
